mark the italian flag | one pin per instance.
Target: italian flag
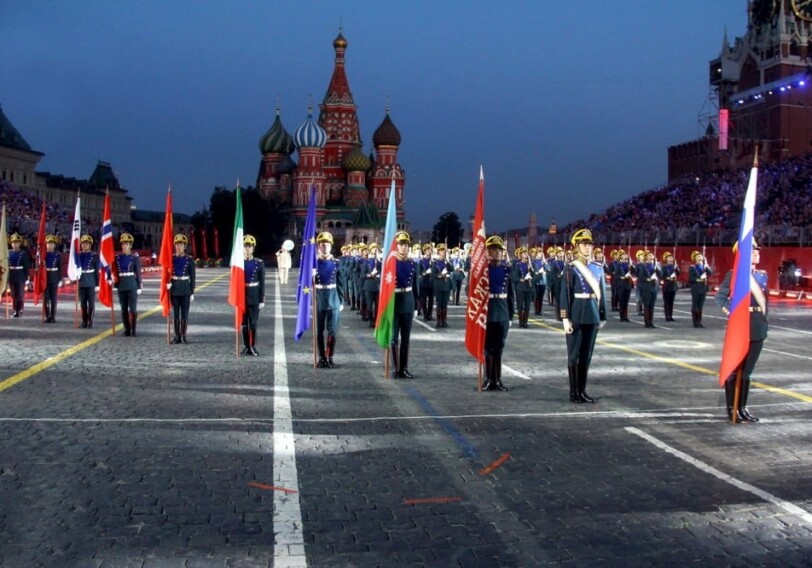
(386, 301)
(236, 289)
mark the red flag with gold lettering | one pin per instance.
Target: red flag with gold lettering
(476, 311)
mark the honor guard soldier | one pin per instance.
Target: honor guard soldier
(698, 275)
(254, 295)
(407, 293)
(371, 283)
(426, 287)
(522, 278)
(88, 280)
(613, 280)
(182, 287)
(353, 281)
(648, 282)
(550, 276)
(640, 257)
(358, 280)
(539, 279)
(19, 265)
(329, 297)
(583, 310)
(557, 274)
(670, 273)
(500, 313)
(758, 332)
(458, 276)
(53, 276)
(127, 280)
(442, 283)
(344, 262)
(624, 271)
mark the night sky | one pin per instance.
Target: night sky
(570, 106)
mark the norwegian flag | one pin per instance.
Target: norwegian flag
(106, 252)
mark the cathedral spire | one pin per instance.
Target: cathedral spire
(339, 89)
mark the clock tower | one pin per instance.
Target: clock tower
(763, 83)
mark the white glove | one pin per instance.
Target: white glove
(568, 326)
(110, 281)
(341, 308)
(726, 311)
(510, 324)
(444, 272)
(192, 298)
(602, 324)
(27, 283)
(704, 276)
(261, 305)
(97, 288)
(138, 292)
(168, 285)
(528, 276)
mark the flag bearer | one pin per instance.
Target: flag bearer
(254, 295)
(88, 280)
(500, 313)
(127, 280)
(182, 287)
(329, 298)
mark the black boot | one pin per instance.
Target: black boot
(403, 372)
(445, 317)
(743, 410)
(331, 347)
(497, 371)
(489, 382)
(133, 320)
(183, 325)
(246, 341)
(439, 323)
(730, 393)
(648, 316)
(393, 350)
(90, 313)
(126, 321)
(252, 335)
(322, 364)
(176, 339)
(571, 369)
(84, 317)
(581, 372)
(699, 318)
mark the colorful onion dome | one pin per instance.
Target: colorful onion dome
(387, 133)
(310, 134)
(276, 140)
(340, 41)
(356, 161)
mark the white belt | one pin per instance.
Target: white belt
(755, 309)
(126, 273)
(180, 278)
(51, 269)
(498, 296)
(325, 286)
(88, 271)
(584, 295)
(406, 289)
(251, 284)
(15, 267)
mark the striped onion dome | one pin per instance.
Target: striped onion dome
(387, 133)
(356, 161)
(276, 140)
(310, 134)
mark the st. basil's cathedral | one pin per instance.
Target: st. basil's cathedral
(352, 189)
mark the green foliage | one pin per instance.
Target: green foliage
(448, 230)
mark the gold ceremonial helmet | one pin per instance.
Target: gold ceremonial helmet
(550, 251)
(666, 255)
(640, 254)
(519, 251)
(15, 238)
(181, 238)
(125, 238)
(403, 237)
(324, 237)
(581, 236)
(426, 246)
(695, 254)
(86, 239)
(362, 246)
(373, 246)
(597, 250)
(249, 240)
(614, 254)
(621, 252)
(441, 246)
(495, 242)
(755, 245)
(52, 239)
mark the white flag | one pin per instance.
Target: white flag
(74, 268)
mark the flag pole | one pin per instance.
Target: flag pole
(112, 314)
(76, 307)
(167, 329)
(736, 395)
(236, 334)
(479, 378)
(386, 374)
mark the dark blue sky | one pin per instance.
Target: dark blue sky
(569, 105)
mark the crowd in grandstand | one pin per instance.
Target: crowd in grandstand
(23, 210)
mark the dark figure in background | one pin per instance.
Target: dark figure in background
(127, 280)
(758, 332)
(19, 266)
(407, 293)
(669, 272)
(500, 313)
(182, 287)
(88, 280)
(254, 295)
(583, 311)
(53, 276)
(698, 275)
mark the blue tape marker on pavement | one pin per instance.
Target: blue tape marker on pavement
(445, 424)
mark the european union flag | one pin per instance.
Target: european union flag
(307, 267)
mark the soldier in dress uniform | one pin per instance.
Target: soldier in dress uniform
(500, 313)
(670, 273)
(254, 295)
(182, 287)
(624, 271)
(352, 266)
(558, 270)
(358, 277)
(758, 332)
(88, 280)
(19, 266)
(127, 280)
(407, 294)
(698, 275)
(522, 277)
(613, 280)
(371, 282)
(330, 290)
(441, 282)
(426, 288)
(344, 266)
(583, 311)
(458, 274)
(648, 283)
(53, 276)
(551, 276)
(640, 257)
(539, 279)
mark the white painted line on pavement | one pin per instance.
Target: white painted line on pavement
(424, 324)
(769, 497)
(515, 373)
(787, 354)
(287, 511)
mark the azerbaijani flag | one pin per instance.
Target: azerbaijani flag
(737, 335)
(3, 252)
(307, 268)
(40, 275)
(74, 267)
(386, 303)
(165, 257)
(476, 311)
(236, 289)
(106, 253)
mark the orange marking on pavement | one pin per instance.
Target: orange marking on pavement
(272, 487)
(431, 500)
(494, 464)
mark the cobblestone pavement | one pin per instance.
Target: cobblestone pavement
(118, 451)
